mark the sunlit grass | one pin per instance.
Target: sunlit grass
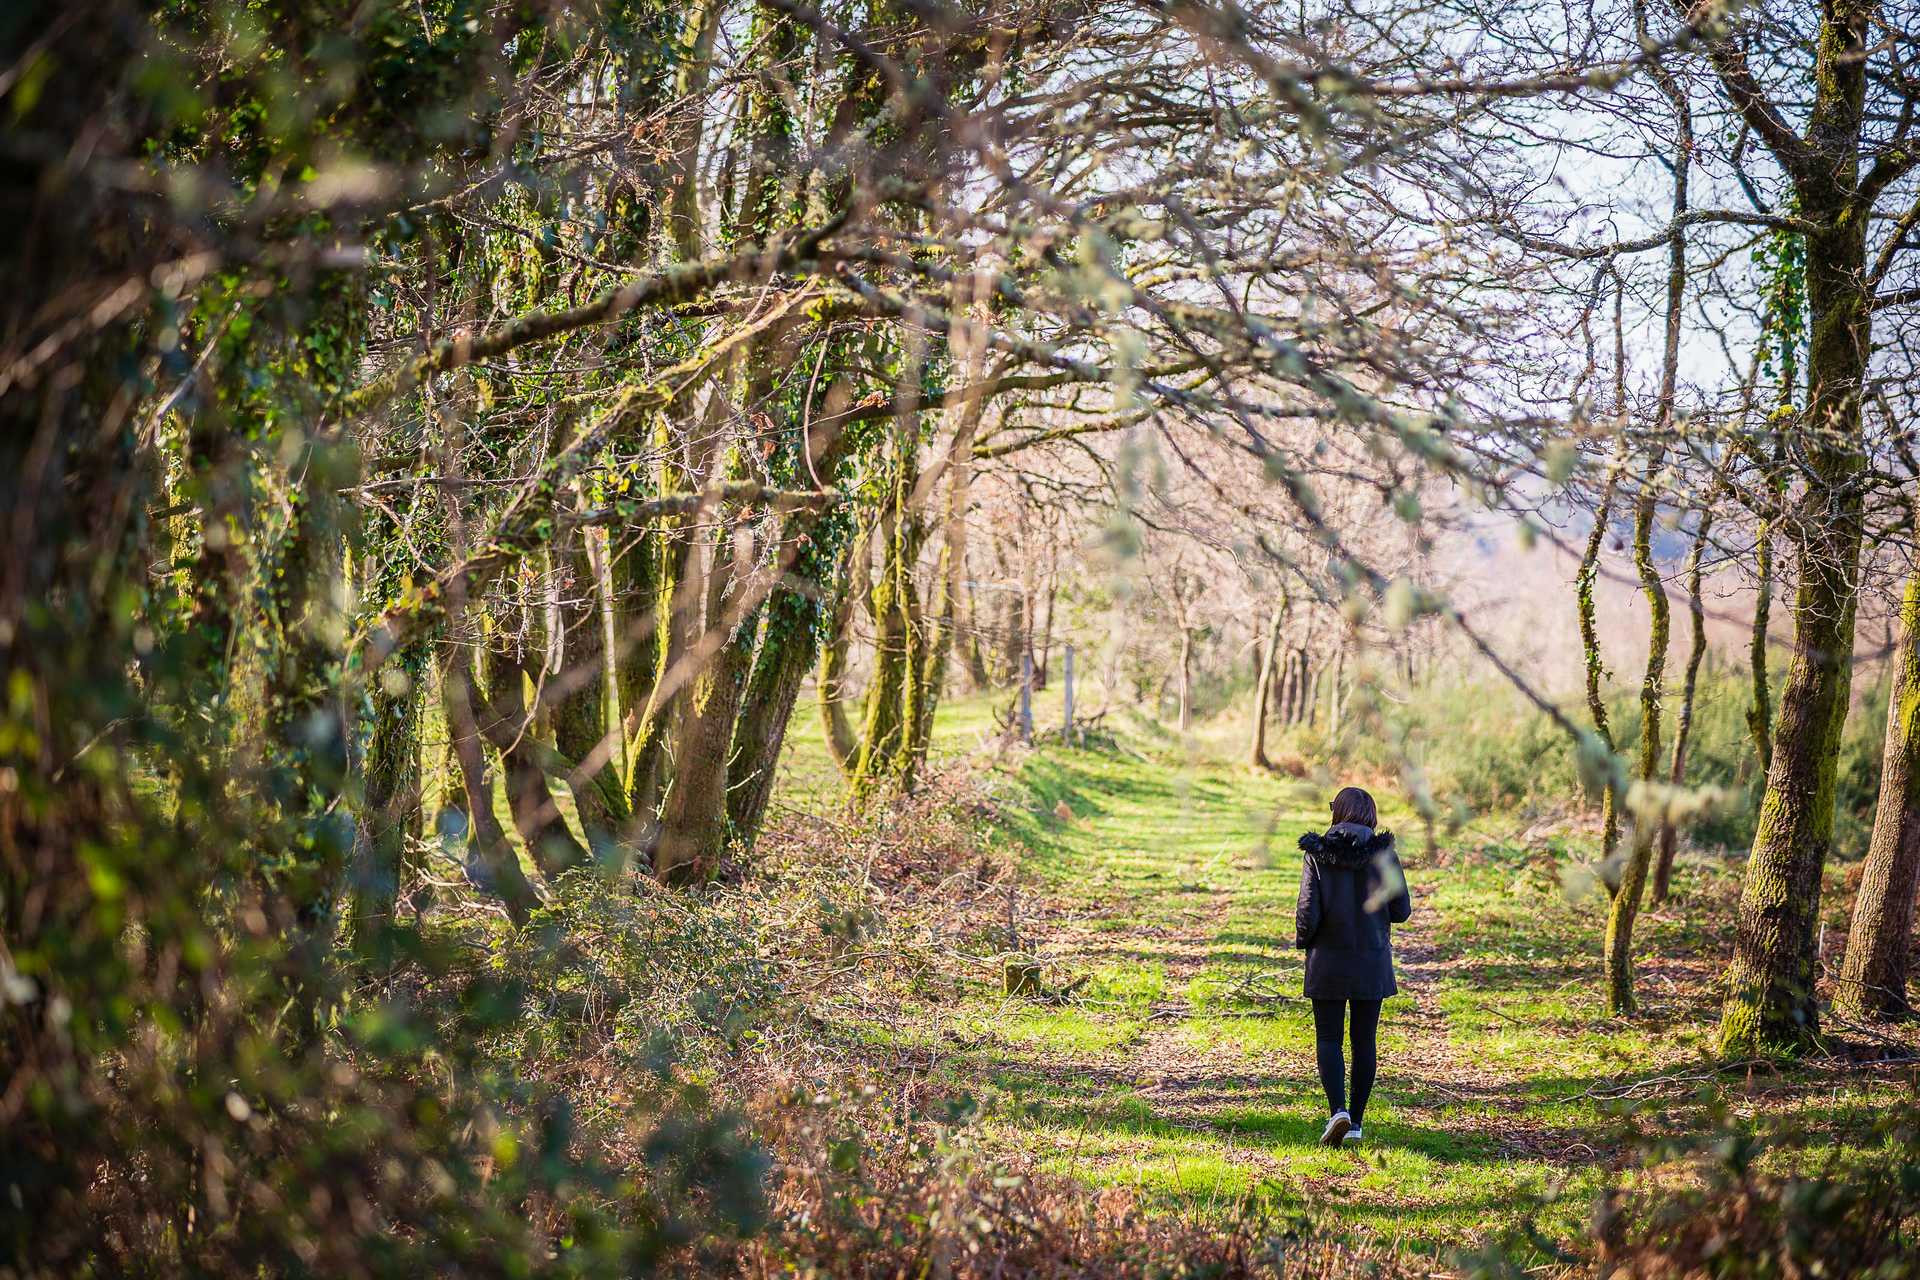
(1181, 1065)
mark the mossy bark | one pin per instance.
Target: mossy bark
(1595, 664)
(1760, 711)
(389, 805)
(811, 600)
(693, 821)
(1770, 1004)
(636, 572)
(843, 744)
(1683, 723)
(580, 722)
(893, 693)
(492, 864)
(1624, 909)
(943, 618)
(506, 721)
(675, 595)
(1873, 976)
(772, 690)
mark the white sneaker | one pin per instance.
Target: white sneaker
(1337, 1129)
(1353, 1137)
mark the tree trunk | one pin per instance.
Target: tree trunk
(1290, 711)
(636, 626)
(1283, 689)
(695, 61)
(492, 864)
(1873, 977)
(1626, 899)
(788, 646)
(677, 589)
(1632, 883)
(1263, 684)
(306, 699)
(1590, 648)
(898, 650)
(1770, 984)
(1338, 675)
(1683, 726)
(1760, 713)
(505, 721)
(1013, 641)
(1186, 679)
(580, 725)
(964, 409)
(1045, 653)
(693, 820)
(843, 744)
(979, 679)
(693, 823)
(773, 688)
(389, 805)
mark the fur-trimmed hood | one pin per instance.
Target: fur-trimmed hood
(1346, 844)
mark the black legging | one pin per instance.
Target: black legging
(1328, 1017)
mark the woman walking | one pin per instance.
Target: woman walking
(1351, 892)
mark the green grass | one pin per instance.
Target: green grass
(1182, 1066)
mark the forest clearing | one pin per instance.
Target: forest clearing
(1019, 638)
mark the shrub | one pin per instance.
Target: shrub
(1715, 1212)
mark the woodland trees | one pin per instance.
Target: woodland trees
(405, 405)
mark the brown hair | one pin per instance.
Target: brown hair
(1355, 805)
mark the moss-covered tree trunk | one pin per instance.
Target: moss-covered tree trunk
(788, 646)
(581, 730)
(1683, 722)
(505, 720)
(675, 591)
(1770, 1002)
(306, 714)
(898, 650)
(1631, 884)
(492, 864)
(1595, 664)
(1625, 907)
(1873, 977)
(1760, 710)
(811, 599)
(843, 744)
(693, 821)
(389, 803)
(1770, 984)
(964, 408)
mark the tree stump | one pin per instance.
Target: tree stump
(1020, 975)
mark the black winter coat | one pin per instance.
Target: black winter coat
(1351, 891)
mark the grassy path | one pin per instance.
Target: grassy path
(1180, 1064)
(1187, 1070)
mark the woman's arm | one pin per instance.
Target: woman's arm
(1306, 912)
